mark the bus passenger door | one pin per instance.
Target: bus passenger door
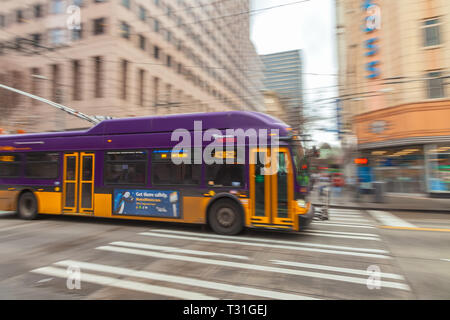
(78, 184)
(271, 187)
(259, 187)
(282, 188)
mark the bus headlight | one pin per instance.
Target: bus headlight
(301, 203)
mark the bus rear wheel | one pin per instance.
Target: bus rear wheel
(27, 206)
(225, 217)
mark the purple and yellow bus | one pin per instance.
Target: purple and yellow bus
(124, 168)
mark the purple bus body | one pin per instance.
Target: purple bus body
(134, 133)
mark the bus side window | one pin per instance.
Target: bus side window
(167, 171)
(10, 165)
(126, 167)
(43, 165)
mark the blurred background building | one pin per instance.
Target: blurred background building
(394, 70)
(275, 106)
(283, 75)
(129, 58)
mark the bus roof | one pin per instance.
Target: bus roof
(168, 123)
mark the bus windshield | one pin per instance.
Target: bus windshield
(301, 165)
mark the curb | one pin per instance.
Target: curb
(377, 208)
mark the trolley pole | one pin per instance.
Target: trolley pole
(66, 109)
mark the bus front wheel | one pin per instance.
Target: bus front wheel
(225, 217)
(27, 206)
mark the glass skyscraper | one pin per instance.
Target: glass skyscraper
(283, 74)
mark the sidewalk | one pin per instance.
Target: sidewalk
(397, 202)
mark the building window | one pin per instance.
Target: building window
(78, 3)
(124, 79)
(155, 91)
(431, 30)
(2, 21)
(99, 26)
(142, 42)
(435, 85)
(126, 167)
(36, 38)
(126, 3)
(9, 165)
(142, 13)
(156, 52)
(156, 25)
(42, 165)
(56, 92)
(37, 11)
(166, 172)
(169, 61)
(57, 6)
(19, 16)
(141, 81)
(98, 77)
(57, 36)
(35, 84)
(125, 28)
(77, 33)
(76, 80)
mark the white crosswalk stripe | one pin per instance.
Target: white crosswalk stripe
(336, 269)
(344, 211)
(349, 225)
(319, 234)
(184, 281)
(388, 219)
(346, 233)
(125, 284)
(271, 241)
(253, 267)
(354, 252)
(177, 250)
(333, 218)
(338, 215)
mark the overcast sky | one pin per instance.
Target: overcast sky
(309, 26)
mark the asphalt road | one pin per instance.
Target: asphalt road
(348, 257)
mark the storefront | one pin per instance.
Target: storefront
(412, 168)
(438, 167)
(408, 146)
(402, 169)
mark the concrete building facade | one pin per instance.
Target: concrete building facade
(129, 58)
(394, 66)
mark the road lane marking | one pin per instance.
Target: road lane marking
(345, 215)
(347, 233)
(349, 225)
(415, 229)
(270, 241)
(126, 284)
(387, 219)
(185, 281)
(340, 236)
(445, 259)
(346, 220)
(336, 269)
(265, 245)
(253, 267)
(344, 211)
(177, 250)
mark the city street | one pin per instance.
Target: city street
(61, 257)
